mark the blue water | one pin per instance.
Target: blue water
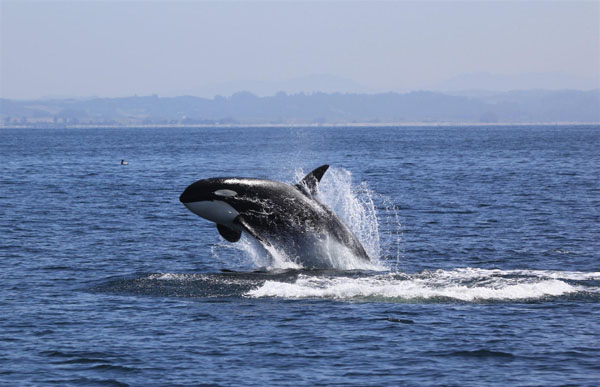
(487, 269)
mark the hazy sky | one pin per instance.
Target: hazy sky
(117, 48)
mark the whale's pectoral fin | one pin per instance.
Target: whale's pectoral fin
(311, 180)
(241, 221)
(229, 234)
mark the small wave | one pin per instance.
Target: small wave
(111, 367)
(483, 353)
(81, 360)
(469, 273)
(400, 320)
(468, 285)
(77, 354)
(87, 382)
(175, 277)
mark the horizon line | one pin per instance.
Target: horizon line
(305, 93)
(421, 124)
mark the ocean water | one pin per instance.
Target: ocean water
(485, 244)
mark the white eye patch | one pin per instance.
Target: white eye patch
(226, 193)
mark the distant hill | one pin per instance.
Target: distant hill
(325, 83)
(507, 82)
(539, 106)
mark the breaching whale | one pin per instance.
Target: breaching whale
(286, 217)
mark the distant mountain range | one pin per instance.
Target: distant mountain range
(534, 106)
(325, 83)
(507, 82)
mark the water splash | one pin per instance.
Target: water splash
(372, 217)
(354, 205)
(249, 250)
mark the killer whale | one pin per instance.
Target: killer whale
(287, 217)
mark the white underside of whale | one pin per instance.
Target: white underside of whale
(215, 211)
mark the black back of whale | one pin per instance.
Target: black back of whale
(275, 213)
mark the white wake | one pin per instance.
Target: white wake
(468, 284)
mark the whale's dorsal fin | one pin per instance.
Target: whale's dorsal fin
(229, 234)
(311, 180)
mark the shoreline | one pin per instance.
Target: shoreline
(301, 125)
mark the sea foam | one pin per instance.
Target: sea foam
(470, 284)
